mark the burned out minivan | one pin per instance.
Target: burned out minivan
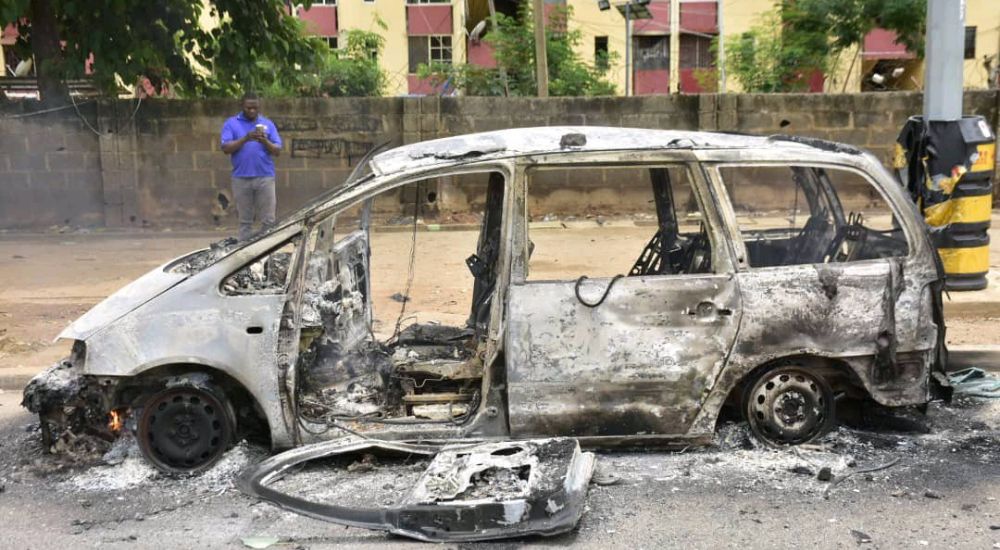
(775, 275)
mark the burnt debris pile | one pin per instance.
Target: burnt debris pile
(73, 414)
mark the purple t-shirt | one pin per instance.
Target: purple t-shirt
(252, 160)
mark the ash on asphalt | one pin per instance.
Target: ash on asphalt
(963, 434)
(961, 451)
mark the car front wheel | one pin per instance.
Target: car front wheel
(185, 429)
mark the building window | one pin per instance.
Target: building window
(331, 41)
(425, 50)
(441, 49)
(970, 42)
(601, 53)
(324, 2)
(652, 53)
(696, 52)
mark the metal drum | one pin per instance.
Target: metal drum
(948, 168)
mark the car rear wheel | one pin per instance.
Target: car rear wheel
(185, 429)
(789, 405)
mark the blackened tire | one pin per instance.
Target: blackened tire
(789, 405)
(186, 428)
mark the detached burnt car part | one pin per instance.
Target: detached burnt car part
(469, 492)
(774, 309)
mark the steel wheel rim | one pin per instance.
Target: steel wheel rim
(184, 430)
(789, 407)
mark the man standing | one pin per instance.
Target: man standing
(251, 140)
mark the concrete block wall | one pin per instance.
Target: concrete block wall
(871, 120)
(182, 178)
(50, 171)
(158, 164)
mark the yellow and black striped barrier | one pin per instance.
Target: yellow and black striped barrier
(948, 169)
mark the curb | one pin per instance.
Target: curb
(14, 382)
(406, 228)
(986, 357)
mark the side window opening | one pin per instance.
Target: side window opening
(603, 221)
(796, 215)
(397, 315)
(269, 274)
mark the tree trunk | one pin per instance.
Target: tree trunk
(46, 48)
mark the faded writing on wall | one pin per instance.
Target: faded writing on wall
(295, 124)
(336, 147)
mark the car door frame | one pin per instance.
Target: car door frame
(532, 415)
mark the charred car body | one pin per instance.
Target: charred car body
(276, 334)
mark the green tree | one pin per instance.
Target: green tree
(350, 71)
(801, 37)
(163, 40)
(513, 42)
(847, 22)
(354, 71)
(768, 58)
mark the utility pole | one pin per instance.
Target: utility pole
(721, 62)
(630, 10)
(628, 47)
(943, 64)
(675, 46)
(541, 60)
(949, 158)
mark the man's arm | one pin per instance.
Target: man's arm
(272, 141)
(230, 147)
(229, 142)
(273, 149)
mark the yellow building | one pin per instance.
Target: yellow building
(982, 50)
(442, 30)
(421, 31)
(415, 31)
(880, 64)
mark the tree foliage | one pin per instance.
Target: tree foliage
(350, 71)
(801, 37)
(513, 42)
(769, 59)
(847, 22)
(212, 48)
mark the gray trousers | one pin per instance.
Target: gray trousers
(254, 199)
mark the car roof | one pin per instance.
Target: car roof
(451, 151)
(554, 139)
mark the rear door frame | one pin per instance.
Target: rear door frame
(905, 301)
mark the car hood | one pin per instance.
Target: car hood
(130, 297)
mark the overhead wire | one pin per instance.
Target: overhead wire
(81, 117)
(44, 111)
(118, 124)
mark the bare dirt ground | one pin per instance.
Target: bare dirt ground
(944, 491)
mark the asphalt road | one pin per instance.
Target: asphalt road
(943, 493)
